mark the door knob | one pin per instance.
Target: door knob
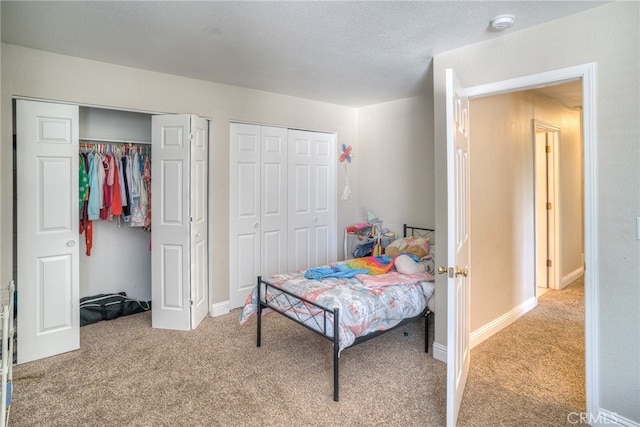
(256, 225)
(462, 271)
(453, 272)
(71, 243)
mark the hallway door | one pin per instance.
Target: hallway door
(458, 245)
(546, 204)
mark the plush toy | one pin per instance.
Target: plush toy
(418, 246)
(409, 264)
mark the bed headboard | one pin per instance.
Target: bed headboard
(409, 230)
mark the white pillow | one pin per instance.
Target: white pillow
(405, 264)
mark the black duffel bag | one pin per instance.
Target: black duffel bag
(109, 306)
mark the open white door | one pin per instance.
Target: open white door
(179, 235)
(47, 191)
(458, 240)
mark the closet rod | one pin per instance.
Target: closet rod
(112, 141)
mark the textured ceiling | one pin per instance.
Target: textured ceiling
(350, 53)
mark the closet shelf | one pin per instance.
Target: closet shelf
(113, 141)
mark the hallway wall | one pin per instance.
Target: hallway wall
(502, 199)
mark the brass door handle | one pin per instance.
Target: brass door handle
(462, 271)
(453, 272)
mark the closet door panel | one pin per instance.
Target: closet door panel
(170, 231)
(172, 207)
(272, 254)
(171, 297)
(273, 200)
(300, 219)
(302, 191)
(244, 211)
(322, 253)
(199, 220)
(47, 227)
(300, 200)
(247, 266)
(300, 240)
(324, 202)
(312, 197)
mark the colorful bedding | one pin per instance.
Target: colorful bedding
(367, 265)
(377, 305)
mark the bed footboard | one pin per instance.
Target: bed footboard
(317, 318)
(309, 314)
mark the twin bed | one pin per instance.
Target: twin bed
(362, 305)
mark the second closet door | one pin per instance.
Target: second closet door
(258, 206)
(282, 202)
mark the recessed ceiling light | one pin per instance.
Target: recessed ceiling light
(502, 22)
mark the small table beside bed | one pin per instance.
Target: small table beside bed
(365, 297)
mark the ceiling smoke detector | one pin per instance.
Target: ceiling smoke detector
(502, 22)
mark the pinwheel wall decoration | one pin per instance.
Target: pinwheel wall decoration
(345, 157)
(346, 154)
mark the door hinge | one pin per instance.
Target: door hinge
(548, 206)
(191, 137)
(549, 263)
(547, 148)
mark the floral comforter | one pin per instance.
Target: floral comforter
(365, 305)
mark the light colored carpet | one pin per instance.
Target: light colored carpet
(128, 374)
(532, 372)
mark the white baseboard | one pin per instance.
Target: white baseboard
(440, 352)
(571, 277)
(501, 322)
(608, 418)
(219, 309)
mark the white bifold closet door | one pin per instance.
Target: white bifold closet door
(281, 203)
(257, 206)
(48, 284)
(48, 226)
(179, 274)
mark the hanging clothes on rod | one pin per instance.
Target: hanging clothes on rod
(115, 185)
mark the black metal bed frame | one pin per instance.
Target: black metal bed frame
(316, 317)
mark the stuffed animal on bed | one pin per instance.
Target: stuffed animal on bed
(409, 264)
(418, 246)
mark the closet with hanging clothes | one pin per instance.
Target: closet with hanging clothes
(152, 250)
(115, 213)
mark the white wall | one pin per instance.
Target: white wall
(502, 207)
(120, 261)
(394, 160)
(608, 35)
(38, 74)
